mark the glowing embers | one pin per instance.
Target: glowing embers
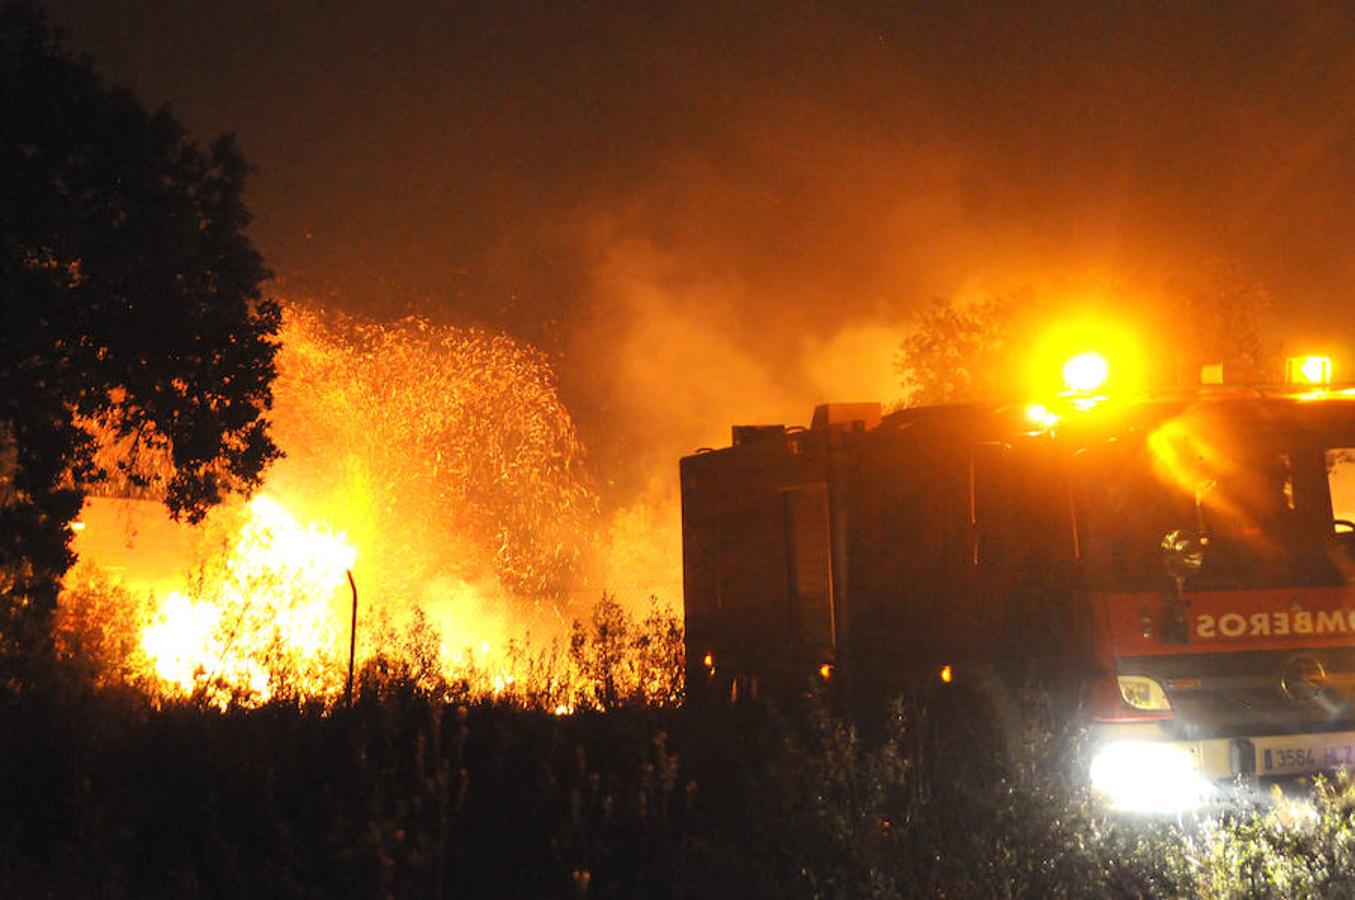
(443, 452)
(264, 616)
(1150, 777)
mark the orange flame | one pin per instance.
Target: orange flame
(440, 466)
(270, 616)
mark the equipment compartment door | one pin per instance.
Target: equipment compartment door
(809, 568)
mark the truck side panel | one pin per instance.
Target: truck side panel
(756, 567)
(910, 575)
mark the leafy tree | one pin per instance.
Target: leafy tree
(1226, 319)
(949, 357)
(130, 309)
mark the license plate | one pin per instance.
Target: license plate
(1295, 760)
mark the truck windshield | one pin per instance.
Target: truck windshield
(1273, 509)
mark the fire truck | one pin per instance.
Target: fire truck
(1180, 567)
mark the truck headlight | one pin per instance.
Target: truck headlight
(1142, 692)
(1149, 777)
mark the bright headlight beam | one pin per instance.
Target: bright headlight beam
(1149, 777)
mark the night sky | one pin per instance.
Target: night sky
(714, 213)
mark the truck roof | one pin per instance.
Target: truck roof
(1078, 419)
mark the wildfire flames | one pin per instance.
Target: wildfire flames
(436, 464)
(269, 615)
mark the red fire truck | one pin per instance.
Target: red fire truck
(1181, 565)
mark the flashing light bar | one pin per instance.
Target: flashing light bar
(1085, 375)
(1308, 370)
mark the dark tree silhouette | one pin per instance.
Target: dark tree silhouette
(945, 358)
(1226, 317)
(130, 311)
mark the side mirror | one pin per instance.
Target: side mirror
(1183, 553)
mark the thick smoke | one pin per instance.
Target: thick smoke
(717, 213)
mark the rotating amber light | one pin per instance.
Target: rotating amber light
(1085, 372)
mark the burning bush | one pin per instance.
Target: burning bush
(620, 661)
(97, 628)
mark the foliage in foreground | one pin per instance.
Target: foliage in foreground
(1301, 848)
(404, 794)
(429, 786)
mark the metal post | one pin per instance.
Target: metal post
(352, 639)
